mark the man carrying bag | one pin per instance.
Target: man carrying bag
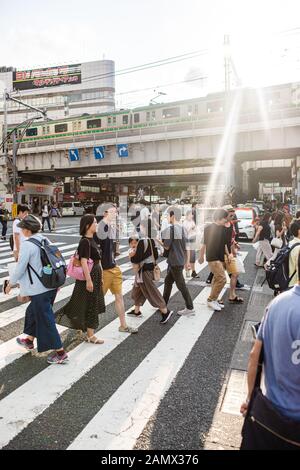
(272, 421)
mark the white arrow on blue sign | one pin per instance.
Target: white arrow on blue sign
(74, 155)
(123, 150)
(99, 152)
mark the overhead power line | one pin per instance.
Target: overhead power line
(138, 68)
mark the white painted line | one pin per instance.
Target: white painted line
(121, 420)
(12, 259)
(22, 406)
(9, 351)
(16, 313)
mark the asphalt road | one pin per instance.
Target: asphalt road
(191, 359)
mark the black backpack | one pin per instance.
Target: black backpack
(277, 273)
(54, 265)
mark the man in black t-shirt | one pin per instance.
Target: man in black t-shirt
(214, 245)
(112, 274)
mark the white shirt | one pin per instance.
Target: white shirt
(145, 213)
(45, 212)
(17, 230)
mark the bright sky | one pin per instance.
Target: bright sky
(265, 39)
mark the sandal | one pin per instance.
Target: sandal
(93, 340)
(236, 300)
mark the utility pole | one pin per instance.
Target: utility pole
(13, 162)
(227, 62)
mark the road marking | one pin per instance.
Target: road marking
(9, 351)
(122, 419)
(26, 403)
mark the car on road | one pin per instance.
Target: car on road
(246, 222)
(72, 209)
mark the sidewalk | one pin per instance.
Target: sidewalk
(225, 432)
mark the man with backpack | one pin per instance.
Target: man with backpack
(39, 281)
(282, 272)
(294, 255)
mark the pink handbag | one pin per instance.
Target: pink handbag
(75, 270)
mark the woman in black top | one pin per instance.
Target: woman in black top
(145, 255)
(263, 234)
(87, 301)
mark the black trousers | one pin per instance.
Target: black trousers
(175, 274)
(4, 227)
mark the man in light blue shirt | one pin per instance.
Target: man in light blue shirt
(279, 335)
(39, 318)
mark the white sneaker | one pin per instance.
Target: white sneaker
(214, 305)
(221, 305)
(186, 312)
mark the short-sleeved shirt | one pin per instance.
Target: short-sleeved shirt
(293, 262)
(88, 249)
(18, 230)
(214, 240)
(174, 238)
(280, 334)
(229, 236)
(142, 254)
(106, 242)
(265, 234)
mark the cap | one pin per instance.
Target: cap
(30, 223)
(228, 208)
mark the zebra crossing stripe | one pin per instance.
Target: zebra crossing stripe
(26, 403)
(122, 419)
(9, 351)
(16, 313)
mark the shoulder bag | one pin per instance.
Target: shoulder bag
(156, 270)
(265, 428)
(75, 270)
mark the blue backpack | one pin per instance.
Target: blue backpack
(54, 266)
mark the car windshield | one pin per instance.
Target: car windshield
(67, 205)
(244, 214)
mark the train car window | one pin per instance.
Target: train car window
(171, 112)
(109, 120)
(20, 133)
(79, 125)
(94, 124)
(190, 110)
(60, 128)
(125, 119)
(75, 126)
(136, 118)
(215, 107)
(32, 132)
(148, 116)
(114, 120)
(153, 116)
(196, 109)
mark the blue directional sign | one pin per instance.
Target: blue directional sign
(99, 152)
(74, 155)
(123, 150)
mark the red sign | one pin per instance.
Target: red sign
(48, 77)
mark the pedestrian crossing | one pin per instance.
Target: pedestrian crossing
(122, 416)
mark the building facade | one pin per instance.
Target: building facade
(65, 91)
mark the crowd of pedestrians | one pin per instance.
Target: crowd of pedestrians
(272, 419)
